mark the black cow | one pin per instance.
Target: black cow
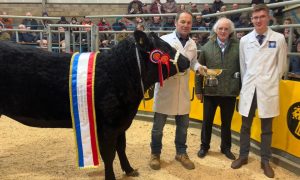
(34, 89)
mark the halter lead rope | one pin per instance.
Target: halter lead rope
(140, 70)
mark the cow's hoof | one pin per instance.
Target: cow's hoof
(133, 173)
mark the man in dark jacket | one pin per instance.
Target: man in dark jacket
(220, 52)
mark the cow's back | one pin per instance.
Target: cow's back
(34, 83)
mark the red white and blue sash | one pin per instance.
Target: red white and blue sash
(81, 87)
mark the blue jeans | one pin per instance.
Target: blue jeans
(182, 124)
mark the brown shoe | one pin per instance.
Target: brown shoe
(185, 161)
(268, 171)
(155, 162)
(239, 162)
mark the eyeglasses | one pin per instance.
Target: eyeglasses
(256, 18)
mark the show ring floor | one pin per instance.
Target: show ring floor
(28, 153)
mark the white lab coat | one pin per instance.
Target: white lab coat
(174, 97)
(262, 67)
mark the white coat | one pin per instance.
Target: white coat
(174, 97)
(262, 67)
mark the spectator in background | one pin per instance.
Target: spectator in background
(43, 23)
(156, 24)
(59, 36)
(254, 2)
(240, 34)
(243, 22)
(43, 44)
(286, 32)
(118, 25)
(23, 36)
(169, 24)
(87, 21)
(170, 6)
(135, 7)
(209, 21)
(4, 36)
(145, 9)
(278, 11)
(130, 26)
(105, 46)
(156, 7)
(121, 36)
(294, 67)
(104, 25)
(196, 39)
(194, 8)
(181, 8)
(235, 17)
(141, 21)
(199, 24)
(222, 9)
(62, 20)
(140, 27)
(216, 6)
(74, 22)
(7, 22)
(29, 22)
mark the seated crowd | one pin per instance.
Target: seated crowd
(154, 23)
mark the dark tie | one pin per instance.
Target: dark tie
(260, 38)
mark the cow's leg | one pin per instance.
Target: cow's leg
(107, 143)
(121, 149)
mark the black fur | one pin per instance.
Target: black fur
(34, 89)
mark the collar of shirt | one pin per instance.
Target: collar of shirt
(219, 43)
(265, 34)
(181, 39)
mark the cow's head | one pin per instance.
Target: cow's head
(157, 53)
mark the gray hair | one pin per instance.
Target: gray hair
(231, 25)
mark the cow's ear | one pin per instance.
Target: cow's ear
(141, 39)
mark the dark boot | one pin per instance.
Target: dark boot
(268, 171)
(239, 162)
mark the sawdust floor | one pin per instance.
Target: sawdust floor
(28, 153)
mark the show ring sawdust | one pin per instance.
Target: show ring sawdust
(28, 153)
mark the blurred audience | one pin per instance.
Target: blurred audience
(236, 16)
(4, 36)
(156, 7)
(169, 25)
(29, 22)
(209, 21)
(104, 25)
(7, 22)
(199, 24)
(155, 25)
(22, 36)
(216, 6)
(43, 23)
(135, 7)
(194, 8)
(170, 6)
(118, 25)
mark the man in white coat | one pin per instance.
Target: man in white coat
(174, 97)
(263, 59)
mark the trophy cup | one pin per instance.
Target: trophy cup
(210, 79)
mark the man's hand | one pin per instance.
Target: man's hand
(200, 97)
(202, 70)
